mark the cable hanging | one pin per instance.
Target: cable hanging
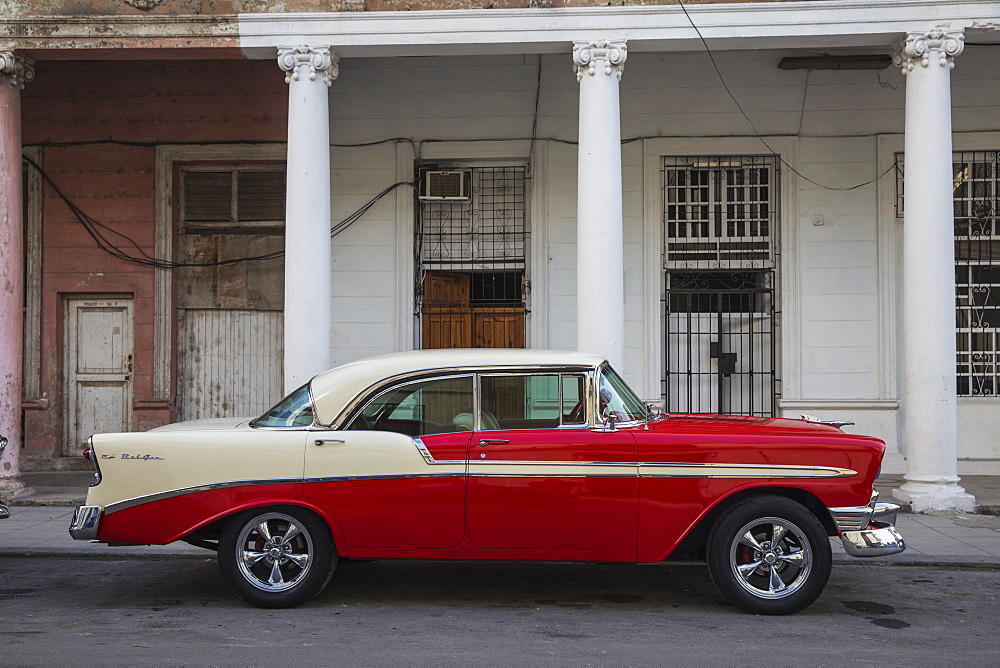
(105, 237)
(753, 126)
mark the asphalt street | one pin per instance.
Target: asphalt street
(178, 611)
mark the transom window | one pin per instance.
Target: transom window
(224, 197)
(719, 211)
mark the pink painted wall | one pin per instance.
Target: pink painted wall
(158, 102)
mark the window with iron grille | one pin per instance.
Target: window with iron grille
(720, 258)
(471, 258)
(975, 194)
(719, 211)
(231, 197)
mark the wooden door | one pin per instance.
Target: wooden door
(453, 318)
(98, 369)
(231, 362)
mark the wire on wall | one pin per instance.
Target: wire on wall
(753, 126)
(125, 248)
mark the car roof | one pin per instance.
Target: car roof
(333, 390)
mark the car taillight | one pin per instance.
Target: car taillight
(86, 454)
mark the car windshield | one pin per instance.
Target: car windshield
(618, 399)
(295, 410)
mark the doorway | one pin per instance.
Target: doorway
(98, 369)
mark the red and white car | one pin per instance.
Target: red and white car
(492, 454)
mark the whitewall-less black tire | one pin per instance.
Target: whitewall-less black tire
(769, 555)
(277, 557)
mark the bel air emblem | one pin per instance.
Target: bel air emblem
(142, 457)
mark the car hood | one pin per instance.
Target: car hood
(757, 426)
(207, 425)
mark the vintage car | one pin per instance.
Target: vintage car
(492, 454)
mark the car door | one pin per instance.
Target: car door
(540, 479)
(395, 476)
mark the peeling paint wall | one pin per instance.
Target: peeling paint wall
(158, 8)
(71, 104)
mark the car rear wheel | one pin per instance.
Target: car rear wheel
(769, 555)
(277, 557)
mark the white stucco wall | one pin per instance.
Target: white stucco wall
(839, 262)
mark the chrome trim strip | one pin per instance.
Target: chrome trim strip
(85, 522)
(722, 470)
(429, 458)
(550, 475)
(380, 476)
(183, 491)
(512, 462)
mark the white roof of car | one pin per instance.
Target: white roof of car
(334, 389)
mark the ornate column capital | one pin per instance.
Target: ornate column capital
(941, 45)
(315, 61)
(16, 69)
(601, 56)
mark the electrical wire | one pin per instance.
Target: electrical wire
(109, 240)
(351, 219)
(722, 79)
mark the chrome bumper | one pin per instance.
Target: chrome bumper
(869, 531)
(85, 521)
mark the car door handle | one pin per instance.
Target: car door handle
(324, 441)
(492, 441)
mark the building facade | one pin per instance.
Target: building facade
(215, 206)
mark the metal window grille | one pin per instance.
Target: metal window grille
(976, 195)
(720, 257)
(719, 211)
(471, 254)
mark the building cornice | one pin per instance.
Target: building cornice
(726, 26)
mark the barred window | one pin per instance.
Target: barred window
(720, 211)
(976, 191)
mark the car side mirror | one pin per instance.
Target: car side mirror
(608, 423)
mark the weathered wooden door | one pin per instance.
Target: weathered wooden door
(98, 367)
(230, 362)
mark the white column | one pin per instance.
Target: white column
(15, 70)
(929, 276)
(308, 261)
(600, 257)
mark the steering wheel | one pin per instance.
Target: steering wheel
(576, 416)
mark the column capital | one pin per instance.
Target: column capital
(920, 48)
(316, 61)
(599, 57)
(15, 69)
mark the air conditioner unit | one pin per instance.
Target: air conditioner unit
(445, 186)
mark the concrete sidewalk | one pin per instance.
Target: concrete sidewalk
(39, 526)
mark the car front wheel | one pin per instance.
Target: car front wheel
(769, 555)
(278, 557)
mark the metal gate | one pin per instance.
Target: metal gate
(720, 261)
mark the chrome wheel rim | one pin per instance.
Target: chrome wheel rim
(771, 558)
(274, 552)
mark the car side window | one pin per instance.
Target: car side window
(532, 401)
(436, 406)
